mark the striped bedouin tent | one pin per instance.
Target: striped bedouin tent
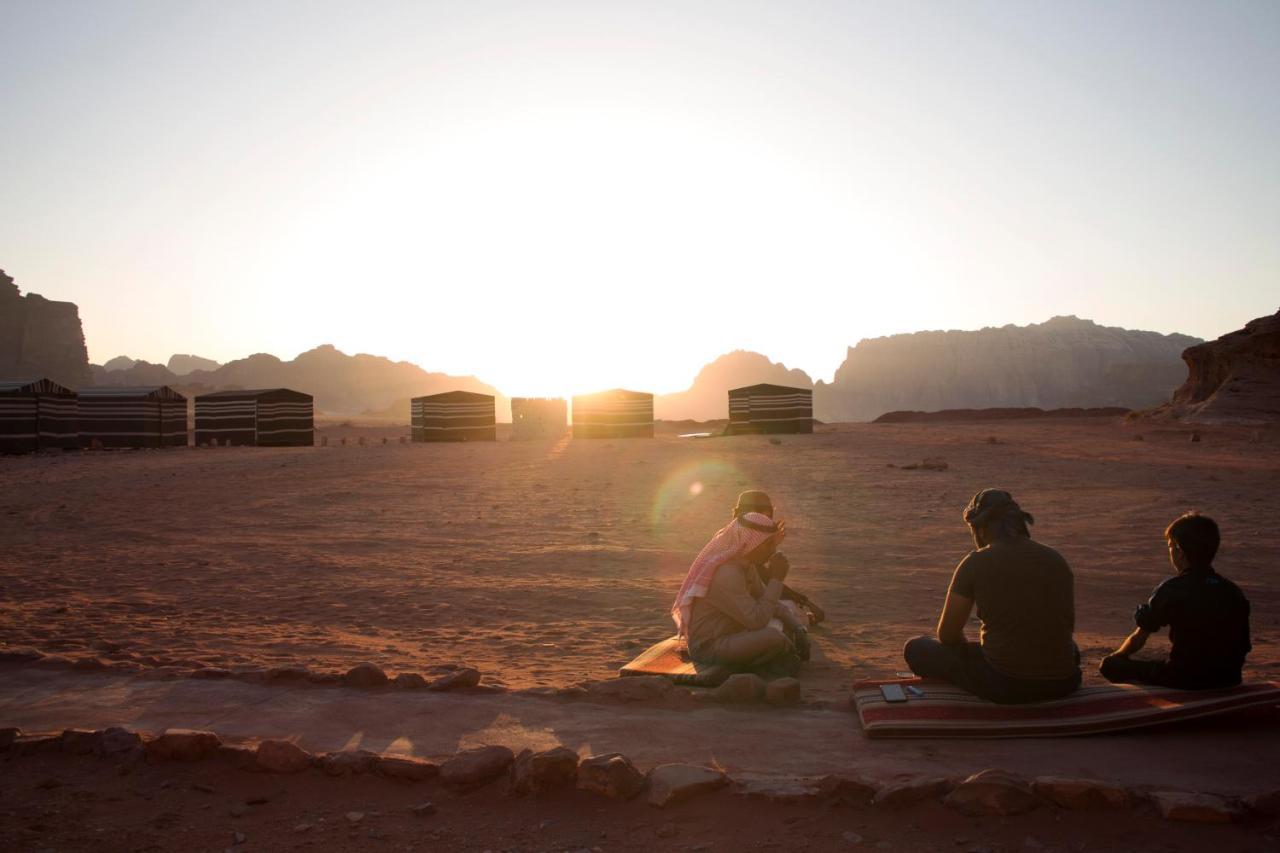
(37, 414)
(154, 416)
(272, 417)
(539, 417)
(453, 416)
(613, 414)
(770, 408)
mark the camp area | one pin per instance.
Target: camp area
(273, 417)
(152, 416)
(36, 414)
(453, 416)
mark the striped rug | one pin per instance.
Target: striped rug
(949, 712)
(668, 658)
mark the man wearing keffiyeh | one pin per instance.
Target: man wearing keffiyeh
(727, 613)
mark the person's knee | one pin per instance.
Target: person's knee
(1111, 669)
(917, 649)
(775, 641)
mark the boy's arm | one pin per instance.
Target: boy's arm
(1133, 643)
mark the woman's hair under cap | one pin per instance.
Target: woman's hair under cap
(991, 505)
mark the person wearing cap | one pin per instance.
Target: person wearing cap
(1024, 594)
(727, 613)
(755, 500)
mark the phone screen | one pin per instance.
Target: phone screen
(893, 693)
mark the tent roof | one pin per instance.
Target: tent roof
(766, 388)
(163, 392)
(252, 394)
(456, 395)
(616, 393)
(34, 386)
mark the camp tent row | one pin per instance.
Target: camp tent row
(768, 408)
(39, 414)
(453, 416)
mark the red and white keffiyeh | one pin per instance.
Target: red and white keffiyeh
(738, 537)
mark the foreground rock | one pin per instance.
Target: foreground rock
(1194, 808)
(673, 783)
(783, 691)
(281, 756)
(182, 745)
(852, 790)
(410, 681)
(348, 762)
(635, 688)
(1078, 794)
(537, 772)
(473, 768)
(611, 774)
(741, 688)
(406, 767)
(993, 793)
(365, 675)
(905, 792)
(456, 680)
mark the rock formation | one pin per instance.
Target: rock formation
(120, 362)
(40, 338)
(1065, 362)
(341, 384)
(181, 365)
(1235, 379)
(708, 397)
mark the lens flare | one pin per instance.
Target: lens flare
(689, 485)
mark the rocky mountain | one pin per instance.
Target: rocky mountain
(341, 384)
(1235, 379)
(181, 365)
(120, 362)
(708, 397)
(40, 338)
(1064, 362)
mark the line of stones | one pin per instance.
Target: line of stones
(988, 793)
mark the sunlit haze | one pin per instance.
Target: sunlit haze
(562, 197)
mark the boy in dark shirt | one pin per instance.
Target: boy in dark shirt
(1207, 615)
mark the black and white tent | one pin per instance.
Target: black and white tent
(272, 417)
(37, 414)
(539, 417)
(154, 416)
(613, 414)
(769, 409)
(453, 416)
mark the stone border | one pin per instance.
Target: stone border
(742, 689)
(989, 793)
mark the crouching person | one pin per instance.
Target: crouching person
(1024, 592)
(728, 614)
(1207, 615)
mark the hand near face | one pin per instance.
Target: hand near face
(778, 567)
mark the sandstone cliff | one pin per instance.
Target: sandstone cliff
(181, 365)
(1235, 379)
(40, 338)
(1062, 363)
(708, 397)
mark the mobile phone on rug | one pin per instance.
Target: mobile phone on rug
(893, 693)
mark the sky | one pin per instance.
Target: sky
(561, 197)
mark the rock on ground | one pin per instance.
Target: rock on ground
(848, 789)
(634, 688)
(455, 680)
(1267, 803)
(611, 774)
(907, 792)
(407, 767)
(347, 762)
(80, 741)
(472, 768)
(672, 783)
(1080, 793)
(8, 735)
(118, 741)
(182, 745)
(783, 691)
(410, 681)
(1194, 808)
(741, 687)
(993, 793)
(365, 675)
(536, 772)
(281, 756)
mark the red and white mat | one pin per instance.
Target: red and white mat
(944, 711)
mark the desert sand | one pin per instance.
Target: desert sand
(551, 563)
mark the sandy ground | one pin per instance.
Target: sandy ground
(69, 804)
(548, 563)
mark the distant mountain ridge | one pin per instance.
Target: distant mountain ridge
(1065, 362)
(341, 384)
(707, 398)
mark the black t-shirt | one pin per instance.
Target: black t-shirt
(1025, 595)
(1208, 619)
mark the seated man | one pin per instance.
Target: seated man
(727, 614)
(757, 501)
(1207, 615)
(1024, 592)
